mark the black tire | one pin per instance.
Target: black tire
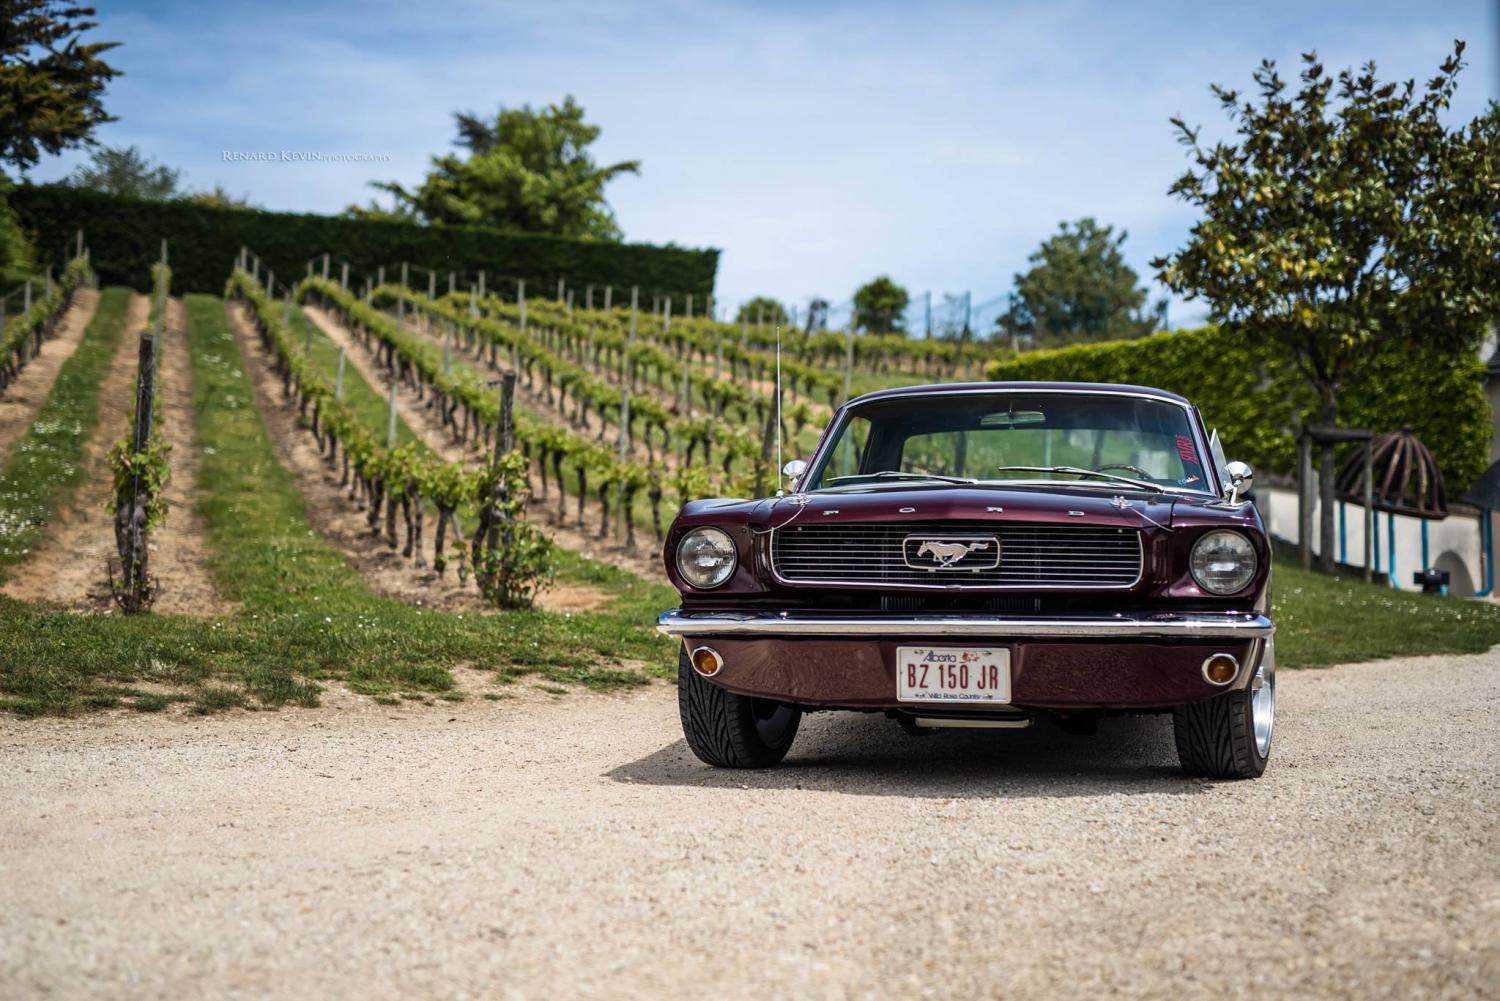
(728, 730)
(1216, 738)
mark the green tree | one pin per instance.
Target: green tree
(525, 170)
(220, 197)
(50, 85)
(1078, 289)
(50, 100)
(127, 172)
(16, 255)
(880, 306)
(1345, 219)
(762, 309)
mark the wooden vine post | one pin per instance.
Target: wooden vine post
(849, 353)
(624, 456)
(496, 509)
(132, 512)
(515, 347)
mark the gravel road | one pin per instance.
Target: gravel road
(571, 846)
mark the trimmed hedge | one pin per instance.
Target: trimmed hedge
(124, 236)
(1258, 400)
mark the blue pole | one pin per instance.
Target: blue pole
(1425, 564)
(1391, 542)
(1374, 535)
(1487, 544)
(1343, 537)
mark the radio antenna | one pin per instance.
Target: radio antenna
(778, 410)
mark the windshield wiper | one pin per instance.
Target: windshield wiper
(1079, 471)
(895, 474)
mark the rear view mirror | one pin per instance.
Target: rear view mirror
(1012, 419)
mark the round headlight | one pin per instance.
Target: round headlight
(1223, 562)
(706, 557)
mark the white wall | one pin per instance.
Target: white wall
(1453, 544)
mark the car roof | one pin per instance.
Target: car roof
(1026, 387)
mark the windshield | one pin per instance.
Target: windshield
(984, 437)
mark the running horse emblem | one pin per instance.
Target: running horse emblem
(945, 554)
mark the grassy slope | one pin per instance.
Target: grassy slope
(305, 616)
(1323, 620)
(46, 463)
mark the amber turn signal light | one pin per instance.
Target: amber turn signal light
(706, 661)
(1220, 669)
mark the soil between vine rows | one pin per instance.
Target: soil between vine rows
(179, 547)
(24, 397)
(70, 566)
(329, 508)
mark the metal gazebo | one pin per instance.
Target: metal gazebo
(1403, 478)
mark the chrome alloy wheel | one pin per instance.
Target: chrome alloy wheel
(1263, 698)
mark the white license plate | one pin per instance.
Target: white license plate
(952, 674)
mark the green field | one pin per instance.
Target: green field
(1322, 620)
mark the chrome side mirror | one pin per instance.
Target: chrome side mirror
(1240, 477)
(793, 471)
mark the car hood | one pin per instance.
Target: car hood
(1125, 507)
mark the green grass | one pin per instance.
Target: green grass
(1323, 620)
(369, 405)
(46, 463)
(304, 616)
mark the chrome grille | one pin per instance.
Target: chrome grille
(1030, 556)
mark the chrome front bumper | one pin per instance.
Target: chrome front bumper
(1193, 625)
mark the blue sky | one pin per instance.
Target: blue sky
(816, 144)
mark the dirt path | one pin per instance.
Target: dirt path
(179, 546)
(425, 424)
(24, 397)
(574, 848)
(70, 566)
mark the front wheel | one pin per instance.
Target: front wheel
(728, 730)
(1229, 737)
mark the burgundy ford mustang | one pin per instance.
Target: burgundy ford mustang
(984, 554)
